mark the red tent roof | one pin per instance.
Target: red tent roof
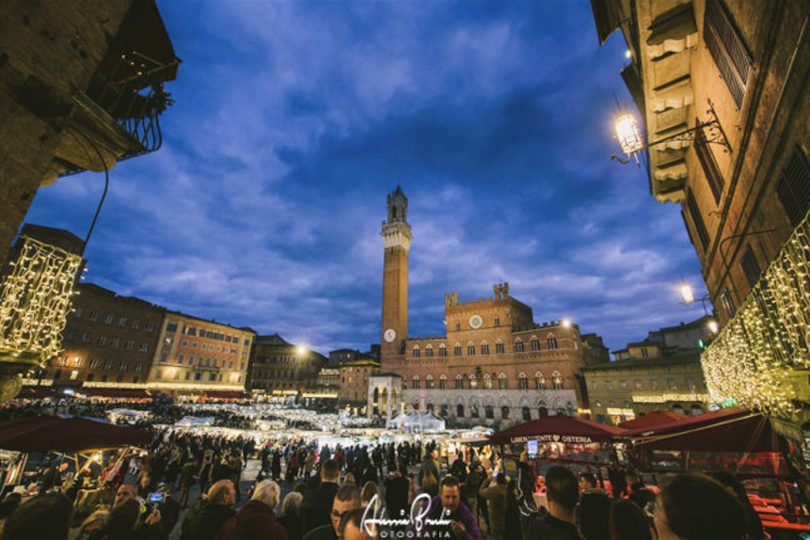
(559, 428)
(135, 393)
(653, 419)
(35, 392)
(226, 394)
(726, 430)
(51, 433)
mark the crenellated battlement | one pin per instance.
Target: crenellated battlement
(501, 294)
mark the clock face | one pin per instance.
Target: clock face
(476, 321)
(390, 335)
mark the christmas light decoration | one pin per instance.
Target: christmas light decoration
(757, 355)
(35, 301)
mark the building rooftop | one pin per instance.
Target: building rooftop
(680, 358)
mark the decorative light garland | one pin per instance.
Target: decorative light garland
(756, 356)
(35, 301)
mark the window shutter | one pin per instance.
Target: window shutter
(727, 48)
(793, 188)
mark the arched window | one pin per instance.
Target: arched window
(443, 412)
(535, 343)
(489, 412)
(519, 345)
(473, 381)
(539, 381)
(415, 382)
(442, 350)
(523, 381)
(474, 411)
(457, 349)
(485, 348)
(416, 352)
(505, 412)
(470, 349)
(430, 407)
(487, 381)
(499, 349)
(527, 414)
(416, 405)
(542, 411)
(502, 381)
(429, 351)
(429, 382)
(442, 381)
(459, 381)
(552, 342)
(460, 410)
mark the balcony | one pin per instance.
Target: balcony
(761, 358)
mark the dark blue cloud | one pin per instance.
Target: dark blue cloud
(294, 119)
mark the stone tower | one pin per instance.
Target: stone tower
(396, 234)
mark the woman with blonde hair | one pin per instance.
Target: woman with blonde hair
(291, 515)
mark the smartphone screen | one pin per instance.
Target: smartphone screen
(156, 498)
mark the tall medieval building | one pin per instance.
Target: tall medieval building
(493, 365)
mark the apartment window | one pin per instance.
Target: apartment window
(552, 342)
(470, 350)
(93, 316)
(750, 267)
(623, 385)
(535, 344)
(171, 327)
(144, 347)
(122, 321)
(116, 343)
(130, 344)
(442, 350)
(86, 338)
(519, 346)
(108, 319)
(727, 48)
(91, 376)
(697, 220)
(672, 384)
(793, 188)
(639, 385)
(180, 358)
(150, 326)
(709, 164)
(212, 376)
(138, 368)
(122, 366)
(95, 363)
(728, 304)
(101, 341)
(136, 324)
(197, 376)
(499, 348)
(485, 349)
(108, 365)
(654, 384)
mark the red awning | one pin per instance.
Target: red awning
(559, 428)
(225, 394)
(726, 430)
(653, 419)
(51, 433)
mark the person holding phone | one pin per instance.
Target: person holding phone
(493, 490)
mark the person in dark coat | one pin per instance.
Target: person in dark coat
(396, 493)
(346, 499)
(205, 519)
(291, 518)
(562, 491)
(317, 501)
(256, 520)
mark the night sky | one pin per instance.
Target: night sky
(292, 122)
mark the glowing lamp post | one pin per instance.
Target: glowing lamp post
(628, 134)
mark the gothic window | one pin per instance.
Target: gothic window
(470, 350)
(473, 381)
(502, 381)
(460, 410)
(523, 382)
(505, 412)
(518, 346)
(442, 382)
(499, 349)
(474, 411)
(489, 412)
(429, 382)
(459, 382)
(539, 381)
(497, 321)
(542, 411)
(535, 344)
(527, 414)
(415, 382)
(429, 351)
(557, 380)
(442, 350)
(416, 352)
(485, 349)
(487, 381)
(444, 411)
(552, 342)
(457, 350)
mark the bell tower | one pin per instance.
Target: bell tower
(396, 235)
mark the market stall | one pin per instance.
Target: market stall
(744, 443)
(652, 419)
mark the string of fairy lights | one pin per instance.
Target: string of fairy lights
(36, 299)
(756, 357)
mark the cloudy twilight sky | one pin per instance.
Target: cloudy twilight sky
(292, 122)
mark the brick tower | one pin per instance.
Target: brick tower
(396, 234)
